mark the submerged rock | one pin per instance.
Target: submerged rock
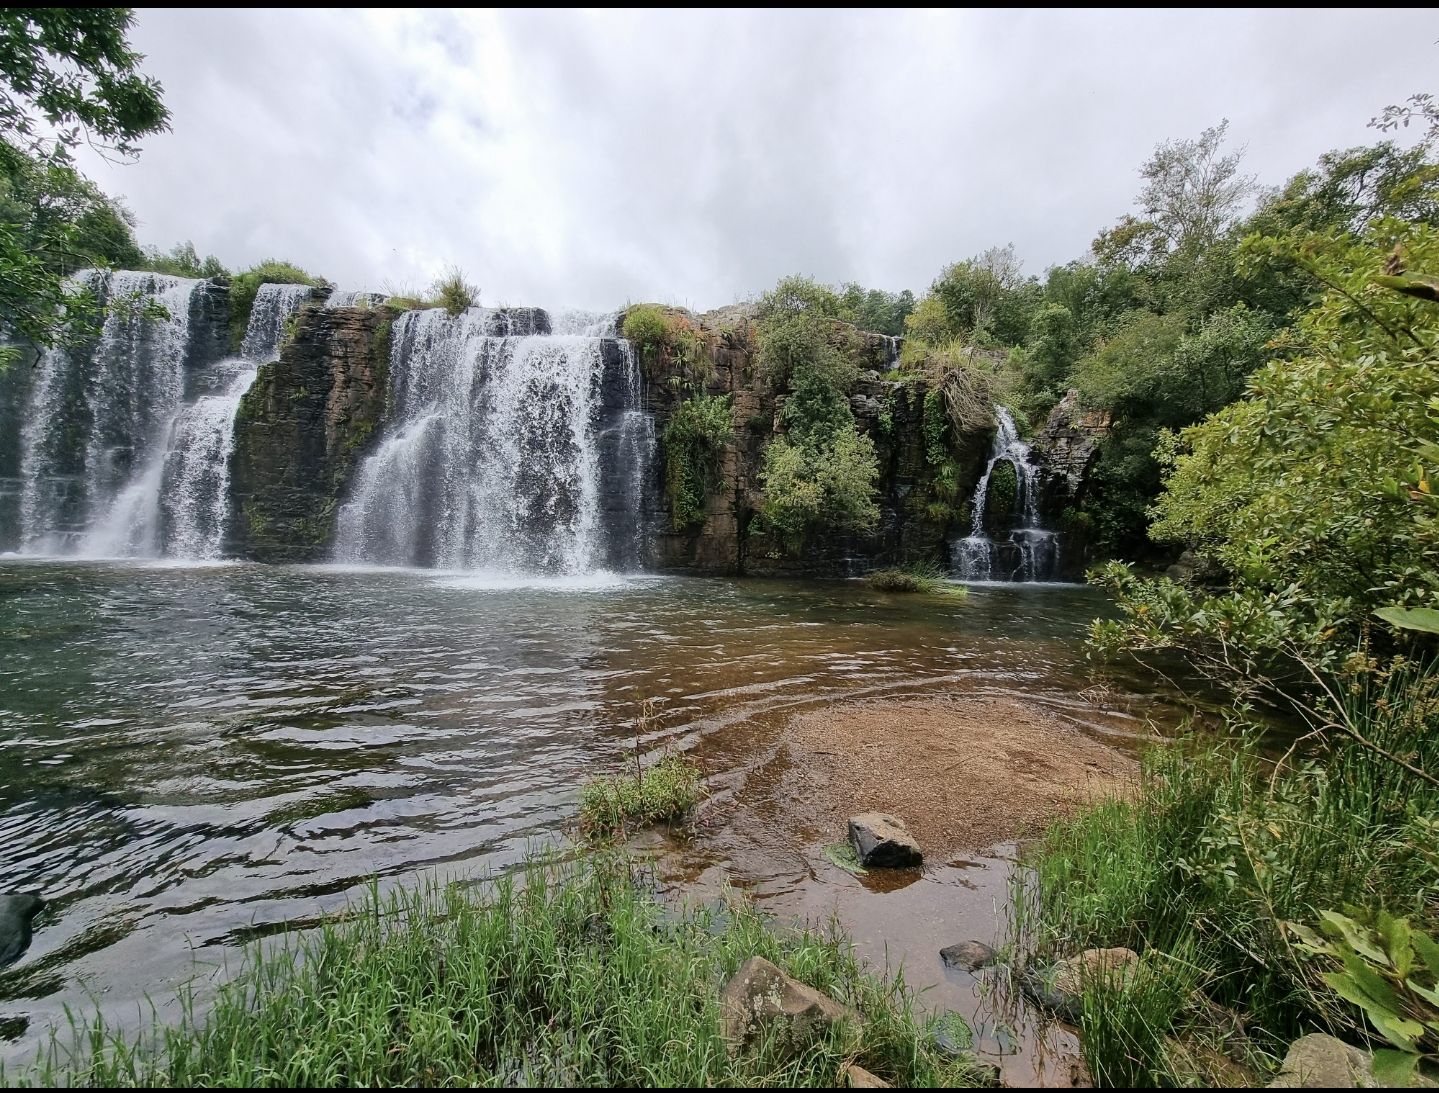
(882, 841)
(1060, 987)
(760, 996)
(16, 911)
(968, 956)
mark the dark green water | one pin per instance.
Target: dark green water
(191, 756)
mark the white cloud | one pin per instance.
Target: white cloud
(587, 159)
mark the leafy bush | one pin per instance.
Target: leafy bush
(663, 793)
(817, 482)
(646, 327)
(694, 441)
(244, 287)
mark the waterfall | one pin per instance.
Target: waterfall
(517, 443)
(274, 306)
(1031, 552)
(96, 419)
(117, 462)
(348, 297)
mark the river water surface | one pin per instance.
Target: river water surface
(190, 756)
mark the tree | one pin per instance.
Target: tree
(67, 76)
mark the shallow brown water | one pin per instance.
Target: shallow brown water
(192, 756)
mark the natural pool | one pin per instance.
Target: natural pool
(193, 755)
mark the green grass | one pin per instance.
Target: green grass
(922, 577)
(568, 974)
(662, 793)
(1222, 848)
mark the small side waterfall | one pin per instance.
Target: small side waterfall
(516, 444)
(349, 297)
(274, 307)
(1031, 552)
(118, 462)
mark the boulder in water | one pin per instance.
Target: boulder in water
(882, 841)
(16, 911)
(968, 956)
(761, 997)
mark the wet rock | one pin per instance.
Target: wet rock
(1059, 987)
(16, 911)
(860, 1078)
(1197, 1065)
(760, 996)
(882, 841)
(968, 956)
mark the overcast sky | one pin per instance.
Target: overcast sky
(594, 159)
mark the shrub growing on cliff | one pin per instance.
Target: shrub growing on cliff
(645, 329)
(694, 440)
(453, 293)
(820, 482)
(245, 286)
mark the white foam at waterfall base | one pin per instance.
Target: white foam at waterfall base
(491, 461)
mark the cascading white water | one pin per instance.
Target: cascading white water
(195, 486)
(274, 305)
(510, 448)
(96, 419)
(349, 297)
(1031, 552)
(117, 463)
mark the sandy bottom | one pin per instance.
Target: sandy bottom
(964, 772)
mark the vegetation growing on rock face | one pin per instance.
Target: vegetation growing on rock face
(694, 441)
(821, 471)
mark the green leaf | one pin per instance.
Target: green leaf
(1394, 1068)
(1399, 1031)
(1424, 619)
(1428, 950)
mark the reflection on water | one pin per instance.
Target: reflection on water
(193, 754)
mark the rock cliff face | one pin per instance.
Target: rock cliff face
(302, 429)
(1067, 447)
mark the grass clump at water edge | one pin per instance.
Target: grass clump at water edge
(662, 793)
(926, 578)
(568, 974)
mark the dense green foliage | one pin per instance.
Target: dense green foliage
(821, 471)
(67, 75)
(662, 793)
(1226, 846)
(646, 327)
(244, 287)
(694, 441)
(183, 261)
(453, 293)
(567, 975)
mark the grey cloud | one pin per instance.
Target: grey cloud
(590, 159)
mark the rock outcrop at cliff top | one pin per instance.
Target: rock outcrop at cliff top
(303, 427)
